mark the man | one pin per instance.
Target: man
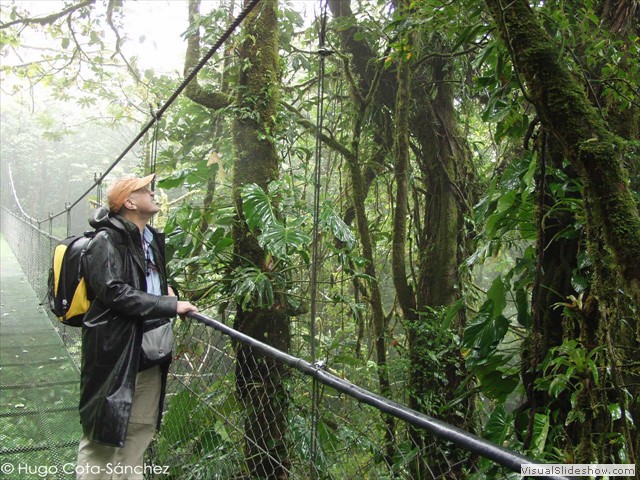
(121, 394)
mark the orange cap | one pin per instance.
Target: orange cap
(121, 188)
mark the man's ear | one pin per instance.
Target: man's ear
(129, 204)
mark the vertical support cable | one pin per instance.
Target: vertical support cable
(97, 178)
(154, 148)
(68, 209)
(322, 52)
(154, 154)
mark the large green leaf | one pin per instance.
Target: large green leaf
(522, 304)
(497, 294)
(256, 206)
(498, 427)
(192, 175)
(496, 384)
(331, 220)
(486, 332)
(541, 424)
(280, 239)
(252, 288)
(489, 326)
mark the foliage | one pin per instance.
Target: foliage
(568, 367)
(195, 156)
(506, 212)
(197, 437)
(284, 236)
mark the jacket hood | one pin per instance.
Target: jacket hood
(100, 218)
(103, 217)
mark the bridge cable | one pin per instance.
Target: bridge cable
(313, 285)
(155, 117)
(154, 153)
(17, 201)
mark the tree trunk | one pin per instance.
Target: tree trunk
(612, 225)
(259, 380)
(404, 292)
(566, 112)
(442, 163)
(556, 263)
(379, 320)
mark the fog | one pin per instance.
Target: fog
(54, 157)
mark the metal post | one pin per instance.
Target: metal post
(68, 209)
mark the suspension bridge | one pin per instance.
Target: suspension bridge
(336, 434)
(334, 429)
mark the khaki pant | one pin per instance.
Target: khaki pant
(104, 462)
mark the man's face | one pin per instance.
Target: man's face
(144, 200)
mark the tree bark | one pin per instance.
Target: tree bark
(259, 379)
(566, 112)
(556, 263)
(590, 143)
(378, 316)
(442, 164)
(441, 158)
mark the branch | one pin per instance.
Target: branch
(49, 19)
(132, 71)
(312, 127)
(194, 91)
(592, 148)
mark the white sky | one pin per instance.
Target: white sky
(160, 23)
(153, 31)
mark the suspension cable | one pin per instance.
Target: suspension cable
(192, 74)
(313, 285)
(154, 154)
(17, 201)
(317, 178)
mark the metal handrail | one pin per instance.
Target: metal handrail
(463, 439)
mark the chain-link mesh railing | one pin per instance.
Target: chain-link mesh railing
(39, 382)
(297, 420)
(33, 245)
(237, 408)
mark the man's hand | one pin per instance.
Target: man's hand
(185, 307)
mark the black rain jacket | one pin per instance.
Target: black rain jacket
(115, 272)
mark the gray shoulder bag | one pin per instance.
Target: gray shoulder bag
(157, 342)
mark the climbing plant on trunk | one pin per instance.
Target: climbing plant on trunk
(593, 149)
(259, 380)
(598, 330)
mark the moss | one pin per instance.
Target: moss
(257, 101)
(257, 162)
(595, 152)
(564, 107)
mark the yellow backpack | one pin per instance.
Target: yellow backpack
(67, 289)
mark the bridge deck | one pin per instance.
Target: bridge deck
(39, 422)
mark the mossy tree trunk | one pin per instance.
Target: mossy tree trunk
(259, 379)
(557, 259)
(443, 165)
(379, 320)
(587, 141)
(402, 163)
(603, 319)
(367, 96)
(434, 208)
